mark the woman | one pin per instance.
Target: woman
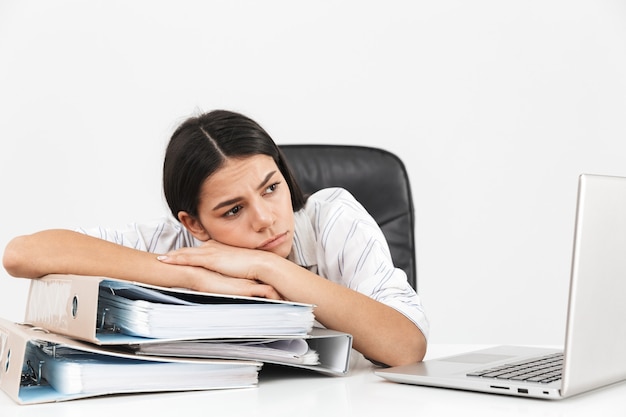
(244, 227)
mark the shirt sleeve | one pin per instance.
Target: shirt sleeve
(353, 251)
(159, 236)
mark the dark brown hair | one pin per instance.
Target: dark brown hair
(201, 145)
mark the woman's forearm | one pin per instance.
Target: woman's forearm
(68, 252)
(379, 332)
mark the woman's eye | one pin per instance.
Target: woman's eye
(233, 211)
(271, 188)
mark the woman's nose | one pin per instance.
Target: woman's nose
(263, 216)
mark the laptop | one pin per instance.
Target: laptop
(594, 350)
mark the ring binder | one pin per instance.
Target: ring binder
(110, 311)
(86, 336)
(322, 350)
(46, 367)
(31, 377)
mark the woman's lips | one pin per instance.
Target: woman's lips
(273, 242)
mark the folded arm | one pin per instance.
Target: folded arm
(68, 252)
(379, 332)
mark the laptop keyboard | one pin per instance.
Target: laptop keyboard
(544, 369)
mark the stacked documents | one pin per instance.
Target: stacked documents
(71, 371)
(39, 366)
(321, 350)
(85, 336)
(288, 351)
(168, 314)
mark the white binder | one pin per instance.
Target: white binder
(107, 311)
(322, 350)
(37, 367)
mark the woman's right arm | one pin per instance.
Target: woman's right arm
(59, 251)
(68, 252)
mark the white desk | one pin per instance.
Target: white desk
(291, 392)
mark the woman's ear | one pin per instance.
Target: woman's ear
(194, 226)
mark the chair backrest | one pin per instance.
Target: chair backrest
(378, 180)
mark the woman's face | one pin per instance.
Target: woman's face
(247, 203)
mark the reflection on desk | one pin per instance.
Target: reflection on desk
(295, 392)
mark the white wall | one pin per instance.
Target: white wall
(495, 107)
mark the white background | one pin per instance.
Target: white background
(495, 106)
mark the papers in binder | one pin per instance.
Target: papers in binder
(120, 314)
(71, 371)
(106, 311)
(145, 312)
(44, 367)
(287, 351)
(322, 350)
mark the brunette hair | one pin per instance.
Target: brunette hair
(201, 145)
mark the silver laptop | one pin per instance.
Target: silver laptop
(594, 353)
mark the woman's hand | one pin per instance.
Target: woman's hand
(215, 256)
(222, 269)
(210, 281)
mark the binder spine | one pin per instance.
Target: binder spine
(4, 353)
(48, 304)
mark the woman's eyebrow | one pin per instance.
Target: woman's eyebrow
(266, 180)
(236, 199)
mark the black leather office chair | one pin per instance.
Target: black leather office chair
(376, 177)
